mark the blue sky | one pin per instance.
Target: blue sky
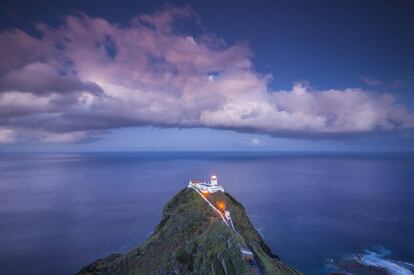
(355, 52)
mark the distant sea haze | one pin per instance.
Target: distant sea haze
(59, 212)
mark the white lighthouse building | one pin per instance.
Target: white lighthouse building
(213, 180)
(206, 187)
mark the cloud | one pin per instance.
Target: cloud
(255, 142)
(306, 112)
(371, 81)
(89, 75)
(41, 78)
(70, 137)
(6, 135)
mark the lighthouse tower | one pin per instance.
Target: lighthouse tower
(213, 180)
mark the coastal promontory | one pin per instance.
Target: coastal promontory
(193, 237)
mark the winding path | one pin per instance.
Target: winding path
(212, 206)
(228, 222)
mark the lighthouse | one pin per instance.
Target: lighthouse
(213, 180)
(209, 187)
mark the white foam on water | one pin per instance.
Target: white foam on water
(260, 230)
(377, 257)
(393, 267)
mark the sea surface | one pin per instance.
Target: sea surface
(59, 212)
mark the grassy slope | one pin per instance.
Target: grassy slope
(192, 239)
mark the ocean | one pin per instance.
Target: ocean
(59, 212)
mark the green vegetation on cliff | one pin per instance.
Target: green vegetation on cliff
(192, 239)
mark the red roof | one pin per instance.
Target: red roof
(196, 181)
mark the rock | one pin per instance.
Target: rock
(192, 239)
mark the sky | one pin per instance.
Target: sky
(207, 75)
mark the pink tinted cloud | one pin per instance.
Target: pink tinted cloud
(88, 75)
(371, 81)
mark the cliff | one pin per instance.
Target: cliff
(192, 239)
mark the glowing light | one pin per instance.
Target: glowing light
(221, 205)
